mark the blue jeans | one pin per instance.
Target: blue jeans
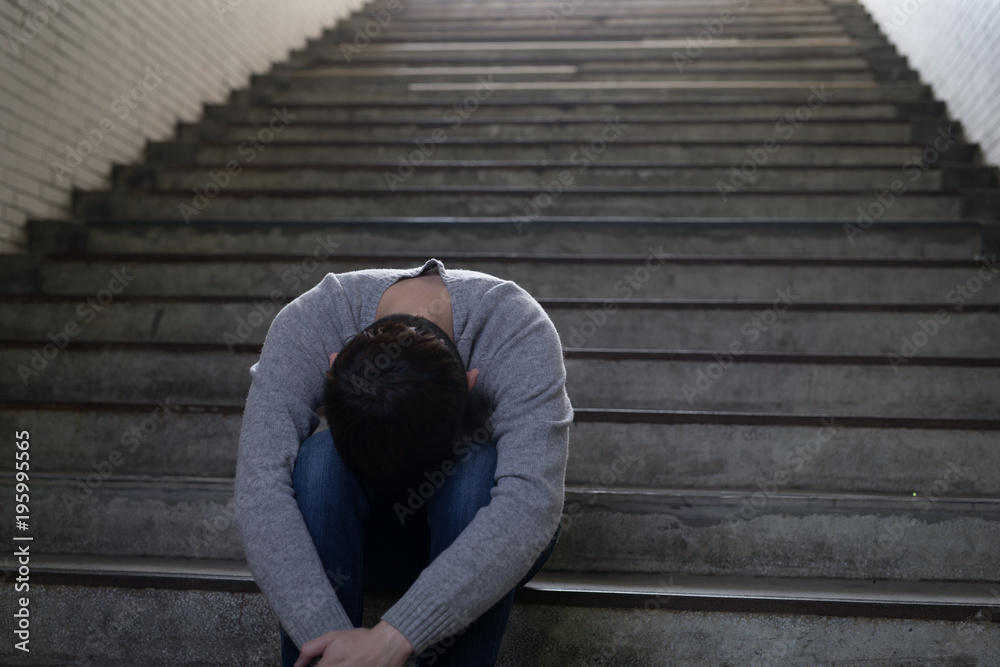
(362, 542)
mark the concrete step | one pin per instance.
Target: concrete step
(624, 147)
(874, 281)
(425, 18)
(761, 27)
(728, 129)
(960, 388)
(615, 529)
(605, 91)
(462, 173)
(578, 46)
(324, 79)
(796, 384)
(527, 15)
(598, 62)
(807, 328)
(891, 238)
(495, 109)
(524, 205)
(436, 11)
(659, 449)
(885, 59)
(801, 34)
(635, 34)
(675, 619)
(580, 23)
(787, 535)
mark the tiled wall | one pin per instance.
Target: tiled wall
(955, 46)
(84, 83)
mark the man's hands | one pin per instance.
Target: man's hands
(381, 646)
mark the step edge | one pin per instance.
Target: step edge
(693, 593)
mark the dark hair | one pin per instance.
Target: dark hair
(394, 399)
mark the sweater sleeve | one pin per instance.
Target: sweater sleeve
(280, 413)
(520, 358)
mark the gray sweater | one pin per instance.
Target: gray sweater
(499, 329)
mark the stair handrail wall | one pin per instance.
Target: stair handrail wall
(86, 83)
(955, 48)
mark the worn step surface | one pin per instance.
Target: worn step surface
(805, 328)
(891, 238)
(586, 149)
(532, 174)
(604, 91)
(553, 198)
(725, 380)
(670, 449)
(649, 276)
(707, 129)
(610, 613)
(612, 528)
(260, 112)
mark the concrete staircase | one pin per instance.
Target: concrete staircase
(771, 257)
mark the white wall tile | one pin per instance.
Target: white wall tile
(60, 81)
(955, 47)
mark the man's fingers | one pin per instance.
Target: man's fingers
(308, 653)
(314, 648)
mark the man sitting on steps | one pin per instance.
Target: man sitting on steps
(408, 489)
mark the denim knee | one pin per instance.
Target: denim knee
(455, 502)
(319, 472)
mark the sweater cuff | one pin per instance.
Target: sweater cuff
(327, 619)
(422, 621)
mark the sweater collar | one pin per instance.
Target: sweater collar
(390, 278)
